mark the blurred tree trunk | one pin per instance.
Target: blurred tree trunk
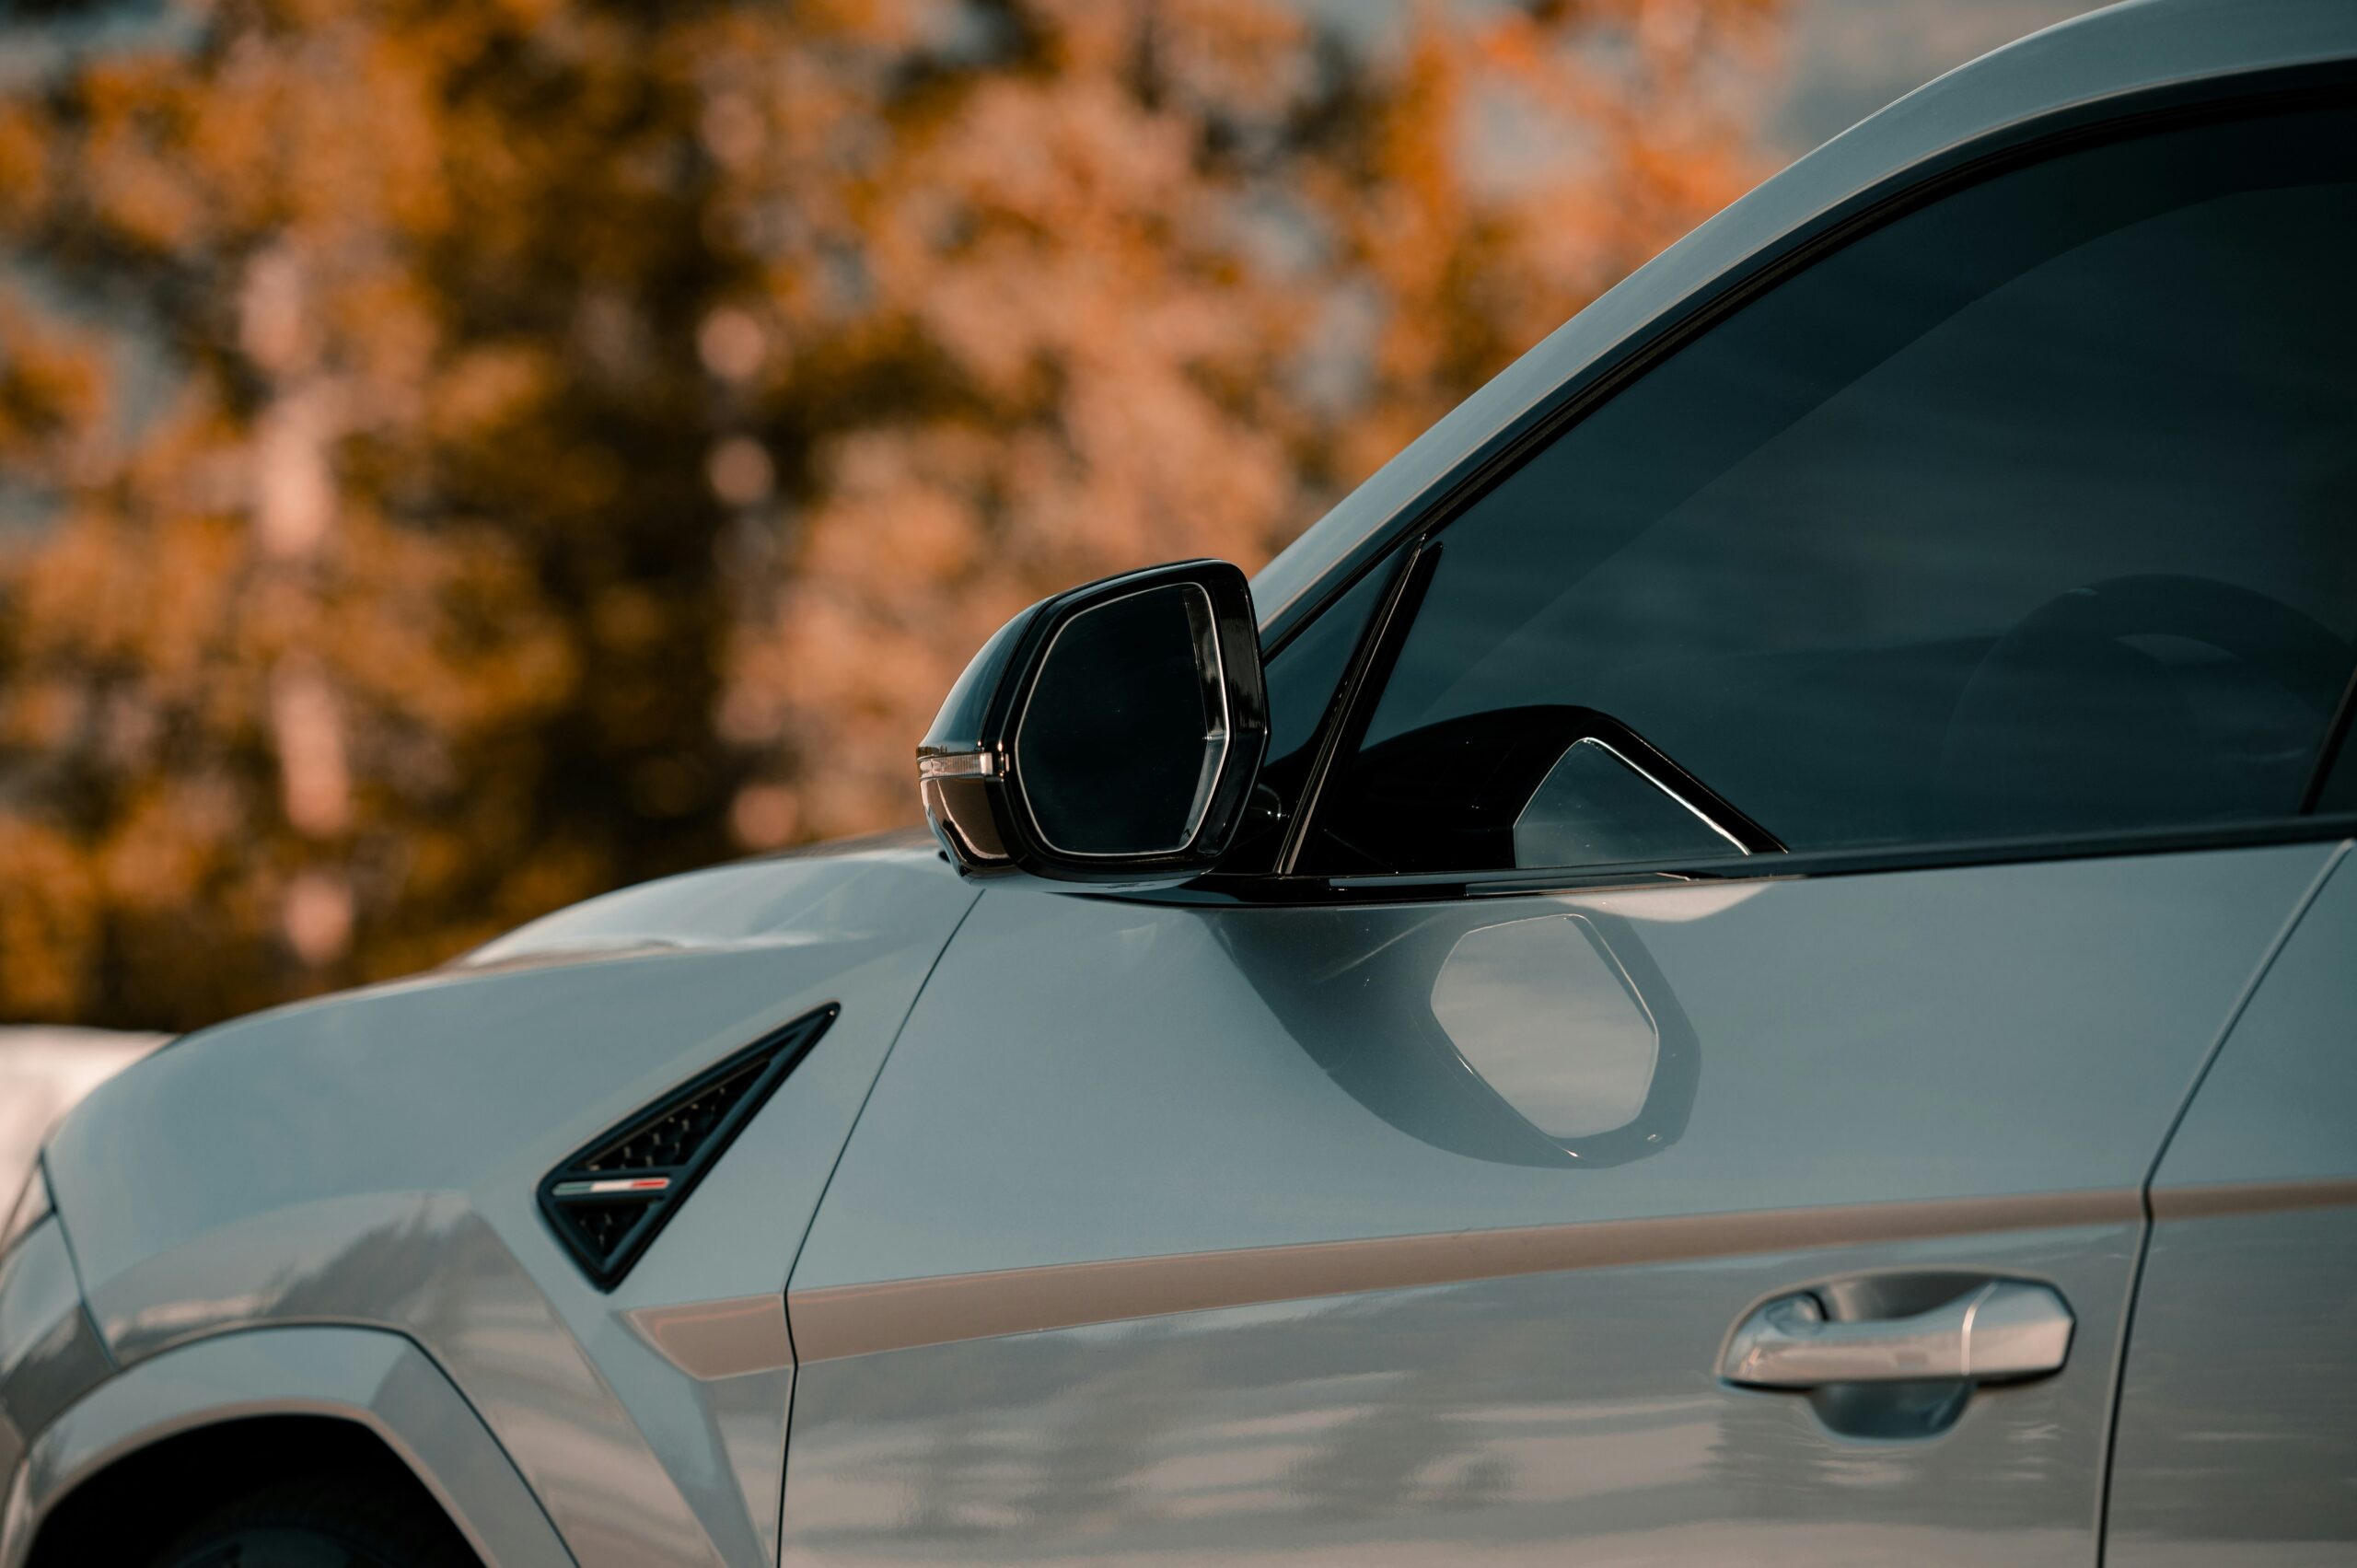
(294, 508)
(502, 450)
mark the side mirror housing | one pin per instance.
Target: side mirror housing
(1109, 735)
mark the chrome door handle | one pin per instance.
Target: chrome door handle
(2007, 1329)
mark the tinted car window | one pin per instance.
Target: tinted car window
(1301, 677)
(2340, 792)
(2032, 512)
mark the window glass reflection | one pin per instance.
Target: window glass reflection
(2034, 512)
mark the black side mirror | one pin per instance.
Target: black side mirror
(1111, 733)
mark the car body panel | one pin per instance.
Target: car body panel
(1315, 1281)
(1542, 1419)
(49, 1354)
(373, 1160)
(1155, 1237)
(1183, 1055)
(2238, 1429)
(379, 1380)
(2078, 66)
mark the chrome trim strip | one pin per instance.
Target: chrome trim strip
(957, 765)
(2211, 1200)
(835, 1321)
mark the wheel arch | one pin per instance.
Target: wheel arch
(257, 1399)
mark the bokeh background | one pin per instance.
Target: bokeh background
(460, 456)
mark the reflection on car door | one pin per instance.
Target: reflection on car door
(1395, 1211)
(1175, 1230)
(2237, 1422)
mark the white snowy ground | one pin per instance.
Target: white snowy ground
(42, 1073)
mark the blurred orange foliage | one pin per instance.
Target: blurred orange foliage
(457, 458)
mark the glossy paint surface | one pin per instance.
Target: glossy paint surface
(372, 1160)
(2280, 1105)
(49, 1357)
(2238, 1412)
(1089, 1082)
(1242, 1083)
(2081, 64)
(1572, 1417)
(1237, 1078)
(379, 1380)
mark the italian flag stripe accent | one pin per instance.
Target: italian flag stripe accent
(612, 1184)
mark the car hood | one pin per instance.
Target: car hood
(219, 1181)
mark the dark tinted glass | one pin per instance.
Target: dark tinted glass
(1123, 732)
(2340, 792)
(2032, 512)
(1302, 677)
(1303, 674)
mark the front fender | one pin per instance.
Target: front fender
(376, 1378)
(373, 1160)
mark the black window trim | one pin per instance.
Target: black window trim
(1369, 670)
(1410, 545)
(1269, 890)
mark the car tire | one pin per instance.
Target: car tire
(322, 1524)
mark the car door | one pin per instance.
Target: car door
(2238, 1434)
(1677, 1079)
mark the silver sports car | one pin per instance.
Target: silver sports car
(1749, 954)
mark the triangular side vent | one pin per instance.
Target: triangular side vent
(606, 1201)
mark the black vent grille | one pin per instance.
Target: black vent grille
(668, 1139)
(599, 1228)
(608, 1200)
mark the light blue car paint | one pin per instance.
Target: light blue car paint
(372, 1160)
(376, 1380)
(1173, 1234)
(1261, 1079)
(2243, 1441)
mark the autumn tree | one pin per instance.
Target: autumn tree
(457, 458)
